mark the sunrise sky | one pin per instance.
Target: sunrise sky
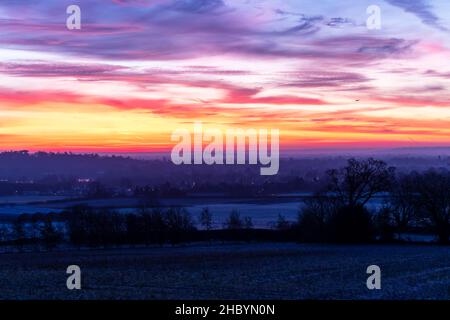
(139, 69)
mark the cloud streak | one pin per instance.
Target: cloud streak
(422, 9)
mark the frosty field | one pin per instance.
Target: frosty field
(231, 271)
(264, 212)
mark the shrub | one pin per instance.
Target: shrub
(350, 224)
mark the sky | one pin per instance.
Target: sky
(139, 69)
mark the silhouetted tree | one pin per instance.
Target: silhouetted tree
(248, 223)
(96, 227)
(34, 229)
(314, 217)
(179, 224)
(345, 218)
(78, 224)
(206, 219)
(282, 224)
(355, 184)
(383, 223)
(49, 234)
(155, 226)
(403, 202)
(433, 200)
(234, 221)
(135, 229)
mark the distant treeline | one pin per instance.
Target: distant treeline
(415, 202)
(87, 226)
(94, 176)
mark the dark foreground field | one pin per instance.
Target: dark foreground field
(232, 271)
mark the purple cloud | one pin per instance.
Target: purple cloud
(421, 9)
(168, 30)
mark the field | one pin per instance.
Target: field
(263, 211)
(231, 271)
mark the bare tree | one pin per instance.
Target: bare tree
(179, 224)
(355, 184)
(234, 220)
(339, 215)
(433, 194)
(402, 202)
(314, 217)
(282, 223)
(206, 219)
(49, 234)
(248, 223)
